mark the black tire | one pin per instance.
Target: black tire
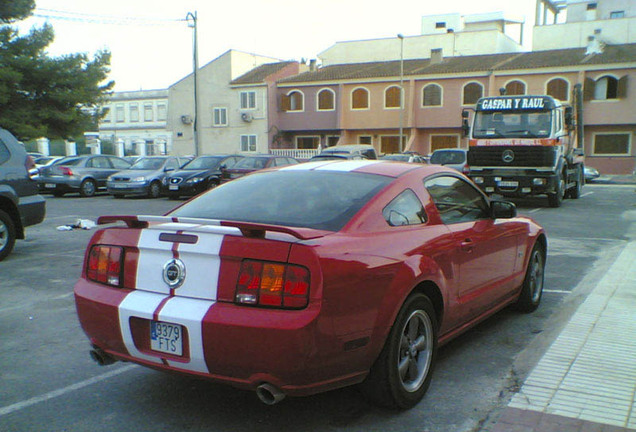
(556, 199)
(7, 234)
(154, 190)
(88, 188)
(402, 373)
(575, 192)
(532, 287)
(212, 184)
(118, 196)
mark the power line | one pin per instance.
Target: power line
(102, 19)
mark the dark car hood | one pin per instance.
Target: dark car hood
(186, 174)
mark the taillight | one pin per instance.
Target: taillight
(268, 284)
(105, 264)
(32, 170)
(66, 171)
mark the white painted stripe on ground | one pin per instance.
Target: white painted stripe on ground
(61, 392)
(557, 291)
(535, 210)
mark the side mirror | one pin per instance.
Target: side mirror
(168, 169)
(465, 125)
(569, 117)
(502, 209)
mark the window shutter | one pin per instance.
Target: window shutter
(588, 89)
(285, 103)
(621, 92)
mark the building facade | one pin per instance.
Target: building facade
(232, 112)
(362, 103)
(136, 123)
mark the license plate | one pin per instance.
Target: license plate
(118, 186)
(166, 338)
(508, 184)
(49, 185)
(173, 187)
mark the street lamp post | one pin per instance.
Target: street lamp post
(401, 37)
(191, 18)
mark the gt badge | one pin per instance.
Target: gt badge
(174, 273)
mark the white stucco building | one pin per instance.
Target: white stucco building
(231, 118)
(450, 34)
(582, 23)
(136, 121)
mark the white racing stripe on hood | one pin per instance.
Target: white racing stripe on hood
(142, 305)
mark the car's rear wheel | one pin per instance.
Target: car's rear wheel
(154, 190)
(7, 234)
(532, 288)
(402, 373)
(213, 183)
(88, 188)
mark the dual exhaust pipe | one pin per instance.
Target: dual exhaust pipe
(268, 393)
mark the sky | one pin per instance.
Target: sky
(151, 43)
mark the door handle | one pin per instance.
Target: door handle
(467, 245)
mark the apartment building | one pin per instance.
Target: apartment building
(362, 102)
(136, 123)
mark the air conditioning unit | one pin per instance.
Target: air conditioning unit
(247, 117)
(186, 119)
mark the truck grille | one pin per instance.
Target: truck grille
(522, 156)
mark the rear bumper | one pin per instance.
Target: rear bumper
(60, 184)
(240, 346)
(32, 209)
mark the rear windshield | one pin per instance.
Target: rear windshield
(252, 163)
(448, 157)
(69, 162)
(322, 200)
(204, 162)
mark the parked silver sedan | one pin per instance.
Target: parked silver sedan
(83, 174)
(144, 177)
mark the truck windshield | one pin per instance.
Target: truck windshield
(495, 124)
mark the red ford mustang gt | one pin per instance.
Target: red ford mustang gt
(310, 277)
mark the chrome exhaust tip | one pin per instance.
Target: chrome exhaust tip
(269, 394)
(102, 358)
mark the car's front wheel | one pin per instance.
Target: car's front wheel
(154, 190)
(402, 373)
(7, 234)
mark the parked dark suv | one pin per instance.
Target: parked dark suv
(20, 204)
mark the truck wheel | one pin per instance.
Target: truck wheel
(532, 288)
(556, 199)
(402, 373)
(7, 234)
(575, 192)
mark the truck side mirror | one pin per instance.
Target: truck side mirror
(569, 116)
(465, 125)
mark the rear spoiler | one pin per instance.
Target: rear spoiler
(248, 229)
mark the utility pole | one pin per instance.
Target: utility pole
(401, 37)
(191, 18)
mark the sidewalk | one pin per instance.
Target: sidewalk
(586, 381)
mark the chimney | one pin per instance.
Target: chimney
(436, 55)
(312, 65)
(594, 46)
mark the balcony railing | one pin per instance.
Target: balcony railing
(295, 153)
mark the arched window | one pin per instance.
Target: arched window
(360, 99)
(606, 88)
(326, 100)
(558, 88)
(432, 95)
(393, 97)
(293, 101)
(472, 92)
(515, 88)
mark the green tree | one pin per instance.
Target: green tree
(56, 97)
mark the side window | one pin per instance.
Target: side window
(456, 200)
(117, 163)
(405, 209)
(4, 153)
(172, 164)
